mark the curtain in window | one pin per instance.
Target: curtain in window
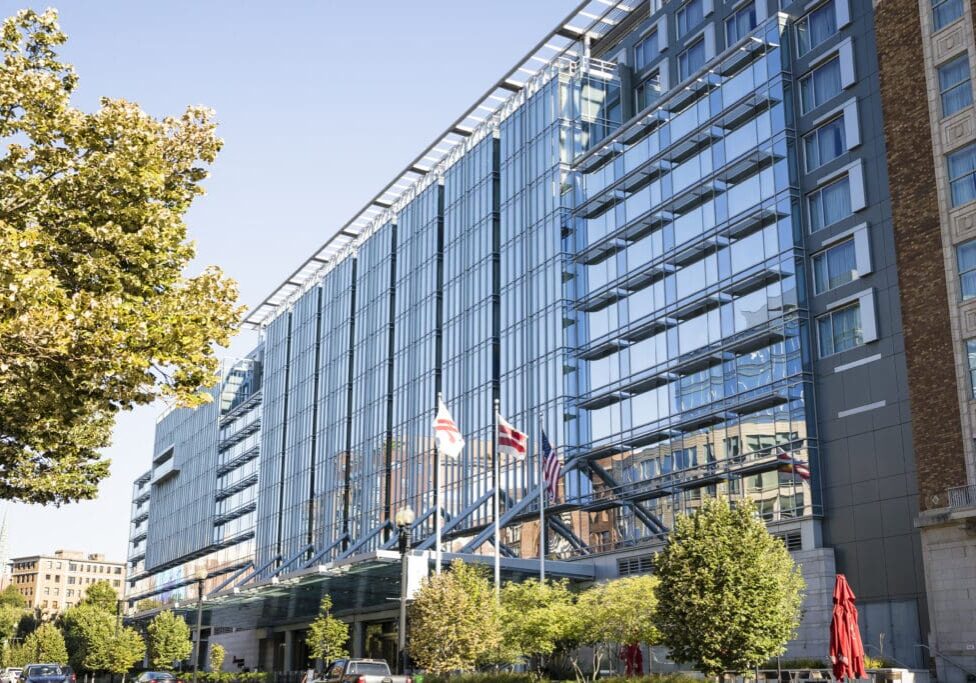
(945, 12)
(962, 164)
(836, 200)
(847, 329)
(823, 24)
(835, 267)
(966, 257)
(826, 82)
(955, 86)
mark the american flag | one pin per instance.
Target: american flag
(448, 436)
(788, 464)
(550, 466)
(512, 440)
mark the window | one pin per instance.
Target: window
(692, 59)
(118, 570)
(834, 266)
(944, 12)
(971, 357)
(840, 330)
(739, 23)
(955, 88)
(966, 262)
(648, 91)
(962, 175)
(71, 580)
(690, 15)
(646, 50)
(820, 85)
(72, 566)
(816, 27)
(829, 204)
(825, 144)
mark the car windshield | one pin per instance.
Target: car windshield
(44, 670)
(371, 669)
(159, 676)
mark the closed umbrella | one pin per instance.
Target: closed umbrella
(846, 650)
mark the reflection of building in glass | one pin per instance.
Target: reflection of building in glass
(671, 246)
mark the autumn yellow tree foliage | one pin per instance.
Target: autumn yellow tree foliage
(96, 313)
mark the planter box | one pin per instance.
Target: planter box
(892, 675)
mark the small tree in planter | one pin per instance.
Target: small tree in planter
(327, 636)
(730, 594)
(535, 617)
(169, 640)
(217, 654)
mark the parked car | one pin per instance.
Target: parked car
(47, 673)
(158, 677)
(10, 675)
(362, 671)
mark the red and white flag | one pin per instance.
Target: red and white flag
(446, 432)
(511, 440)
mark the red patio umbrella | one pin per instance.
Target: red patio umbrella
(846, 650)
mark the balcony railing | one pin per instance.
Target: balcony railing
(962, 496)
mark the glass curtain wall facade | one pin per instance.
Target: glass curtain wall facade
(671, 251)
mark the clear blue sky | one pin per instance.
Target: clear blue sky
(319, 103)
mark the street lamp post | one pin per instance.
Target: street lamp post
(200, 575)
(404, 521)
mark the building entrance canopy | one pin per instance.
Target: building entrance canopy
(361, 584)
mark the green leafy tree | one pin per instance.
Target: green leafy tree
(96, 314)
(612, 614)
(217, 654)
(454, 621)
(27, 625)
(102, 596)
(535, 618)
(327, 636)
(124, 650)
(11, 597)
(46, 644)
(730, 594)
(88, 631)
(169, 640)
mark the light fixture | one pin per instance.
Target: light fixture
(405, 517)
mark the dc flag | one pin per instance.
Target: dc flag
(511, 440)
(446, 432)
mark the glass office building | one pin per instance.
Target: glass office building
(671, 248)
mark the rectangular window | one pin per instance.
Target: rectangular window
(944, 12)
(971, 357)
(840, 330)
(816, 27)
(955, 89)
(825, 144)
(646, 50)
(962, 175)
(692, 59)
(820, 85)
(834, 266)
(690, 15)
(648, 91)
(966, 262)
(829, 204)
(740, 23)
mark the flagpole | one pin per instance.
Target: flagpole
(439, 491)
(497, 496)
(542, 505)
